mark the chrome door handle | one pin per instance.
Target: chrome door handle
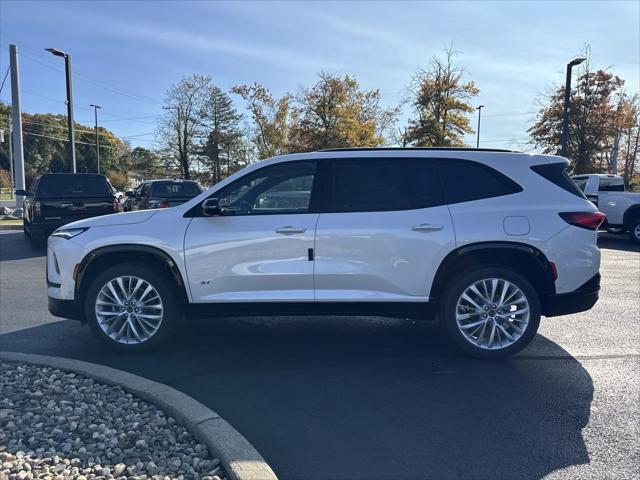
(290, 230)
(427, 227)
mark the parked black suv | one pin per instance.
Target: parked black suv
(161, 194)
(60, 198)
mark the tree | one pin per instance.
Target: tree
(181, 128)
(594, 120)
(119, 180)
(336, 113)
(223, 125)
(145, 162)
(630, 139)
(270, 117)
(5, 179)
(440, 101)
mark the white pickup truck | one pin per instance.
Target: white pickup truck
(621, 208)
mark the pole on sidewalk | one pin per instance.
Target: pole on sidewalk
(16, 115)
(11, 181)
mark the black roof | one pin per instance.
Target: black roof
(458, 149)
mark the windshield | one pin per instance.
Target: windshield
(70, 185)
(175, 189)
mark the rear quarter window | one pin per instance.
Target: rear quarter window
(557, 174)
(465, 180)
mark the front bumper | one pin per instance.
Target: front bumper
(65, 309)
(579, 300)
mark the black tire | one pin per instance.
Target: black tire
(36, 239)
(164, 286)
(634, 230)
(460, 283)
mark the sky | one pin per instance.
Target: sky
(126, 54)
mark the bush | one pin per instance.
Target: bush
(5, 179)
(119, 180)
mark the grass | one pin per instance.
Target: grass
(5, 196)
(6, 221)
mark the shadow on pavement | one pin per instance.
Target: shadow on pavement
(620, 241)
(365, 398)
(15, 246)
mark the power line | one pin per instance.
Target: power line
(26, 132)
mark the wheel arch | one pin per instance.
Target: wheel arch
(632, 213)
(97, 260)
(525, 259)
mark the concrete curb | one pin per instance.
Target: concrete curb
(239, 458)
(10, 227)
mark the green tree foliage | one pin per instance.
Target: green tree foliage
(270, 117)
(594, 120)
(146, 162)
(336, 113)
(440, 102)
(45, 144)
(224, 134)
(5, 179)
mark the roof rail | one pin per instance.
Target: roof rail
(460, 149)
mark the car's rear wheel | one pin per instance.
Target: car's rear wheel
(491, 312)
(634, 230)
(132, 307)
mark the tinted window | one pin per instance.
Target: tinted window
(175, 189)
(384, 184)
(557, 174)
(281, 188)
(611, 184)
(464, 181)
(78, 185)
(581, 182)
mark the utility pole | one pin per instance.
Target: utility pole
(67, 70)
(11, 181)
(95, 113)
(478, 132)
(16, 113)
(567, 98)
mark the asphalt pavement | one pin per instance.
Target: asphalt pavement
(373, 398)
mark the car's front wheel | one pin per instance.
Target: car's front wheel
(132, 307)
(491, 312)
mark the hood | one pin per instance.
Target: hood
(126, 218)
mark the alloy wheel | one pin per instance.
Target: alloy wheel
(129, 309)
(492, 313)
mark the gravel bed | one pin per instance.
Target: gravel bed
(59, 426)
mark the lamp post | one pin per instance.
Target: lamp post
(95, 113)
(67, 69)
(478, 132)
(567, 98)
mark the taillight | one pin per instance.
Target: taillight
(165, 204)
(37, 208)
(116, 205)
(588, 220)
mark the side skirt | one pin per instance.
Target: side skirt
(413, 310)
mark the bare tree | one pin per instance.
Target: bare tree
(182, 126)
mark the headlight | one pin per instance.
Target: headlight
(69, 233)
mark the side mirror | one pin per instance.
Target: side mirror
(23, 193)
(210, 207)
(129, 193)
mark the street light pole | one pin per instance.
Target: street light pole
(478, 131)
(67, 69)
(95, 113)
(567, 99)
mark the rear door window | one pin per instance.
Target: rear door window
(78, 185)
(465, 180)
(384, 184)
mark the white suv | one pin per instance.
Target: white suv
(485, 240)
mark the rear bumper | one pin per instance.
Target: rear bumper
(579, 300)
(65, 309)
(44, 229)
